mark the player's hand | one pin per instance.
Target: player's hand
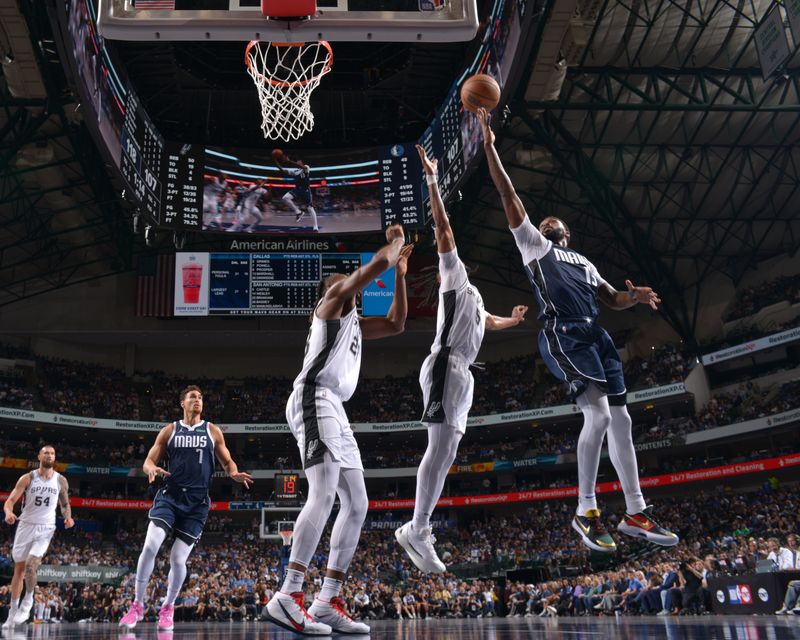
(485, 118)
(518, 312)
(402, 260)
(10, 518)
(430, 166)
(643, 295)
(156, 472)
(242, 477)
(394, 232)
(69, 523)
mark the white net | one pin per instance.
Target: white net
(285, 75)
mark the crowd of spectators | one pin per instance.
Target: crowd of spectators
(749, 300)
(722, 532)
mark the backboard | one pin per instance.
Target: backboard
(336, 20)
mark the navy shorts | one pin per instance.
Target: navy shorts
(183, 511)
(580, 352)
(303, 196)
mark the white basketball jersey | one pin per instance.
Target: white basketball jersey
(41, 498)
(461, 318)
(253, 196)
(333, 355)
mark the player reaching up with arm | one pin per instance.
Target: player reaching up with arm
(582, 355)
(328, 449)
(43, 488)
(302, 188)
(181, 506)
(445, 378)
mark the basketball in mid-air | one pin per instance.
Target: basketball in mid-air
(480, 91)
(277, 155)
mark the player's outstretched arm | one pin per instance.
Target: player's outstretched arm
(620, 300)
(498, 323)
(225, 459)
(445, 242)
(14, 496)
(395, 320)
(512, 205)
(156, 453)
(63, 502)
(348, 287)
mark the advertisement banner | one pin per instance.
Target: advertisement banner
(759, 344)
(191, 284)
(86, 573)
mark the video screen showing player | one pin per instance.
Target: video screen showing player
(291, 192)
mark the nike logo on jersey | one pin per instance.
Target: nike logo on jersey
(299, 626)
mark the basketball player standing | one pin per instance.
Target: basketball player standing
(329, 452)
(445, 378)
(182, 505)
(581, 354)
(43, 488)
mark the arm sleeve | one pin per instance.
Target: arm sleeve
(452, 270)
(532, 245)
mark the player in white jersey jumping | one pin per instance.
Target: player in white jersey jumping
(330, 454)
(213, 192)
(43, 488)
(445, 378)
(250, 209)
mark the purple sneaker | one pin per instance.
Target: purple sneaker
(135, 614)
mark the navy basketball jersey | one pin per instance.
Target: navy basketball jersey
(190, 451)
(565, 283)
(302, 177)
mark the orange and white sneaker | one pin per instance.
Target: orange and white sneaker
(290, 613)
(334, 614)
(642, 525)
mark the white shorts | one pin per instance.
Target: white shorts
(320, 424)
(447, 386)
(31, 540)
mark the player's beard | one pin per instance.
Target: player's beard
(555, 235)
(47, 464)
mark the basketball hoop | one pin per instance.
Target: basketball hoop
(285, 75)
(286, 536)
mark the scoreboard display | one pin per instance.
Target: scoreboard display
(142, 156)
(287, 489)
(269, 284)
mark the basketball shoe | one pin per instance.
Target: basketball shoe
(24, 610)
(593, 531)
(419, 547)
(334, 615)
(290, 613)
(165, 618)
(135, 614)
(642, 525)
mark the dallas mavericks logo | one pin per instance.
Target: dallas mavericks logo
(312, 447)
(434, 408)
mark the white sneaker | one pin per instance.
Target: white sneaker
(419, 547)
(334, 615)
(24, 610)
(290, 613)
(782, 611)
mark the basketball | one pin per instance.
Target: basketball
(277, 155)
(480, 91)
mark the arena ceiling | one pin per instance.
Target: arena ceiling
(645, 124)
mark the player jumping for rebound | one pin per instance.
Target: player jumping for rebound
(302, 188)
(182, 505)
(328, 450)
(445, 378)
(43, 488)
(581, 353)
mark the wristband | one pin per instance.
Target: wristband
(431, 179)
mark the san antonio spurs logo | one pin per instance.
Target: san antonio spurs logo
(311, 448)
(434, 408)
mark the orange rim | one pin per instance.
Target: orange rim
(279, 83)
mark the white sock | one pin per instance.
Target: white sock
(353, 504)
(331, 587)
(443, 442)
(147, 559)
(593, 404)
(293, 582)
(623, 457)
(177, 569)
(289, 200)
(313, 216)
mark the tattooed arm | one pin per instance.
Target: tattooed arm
(63, 502)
